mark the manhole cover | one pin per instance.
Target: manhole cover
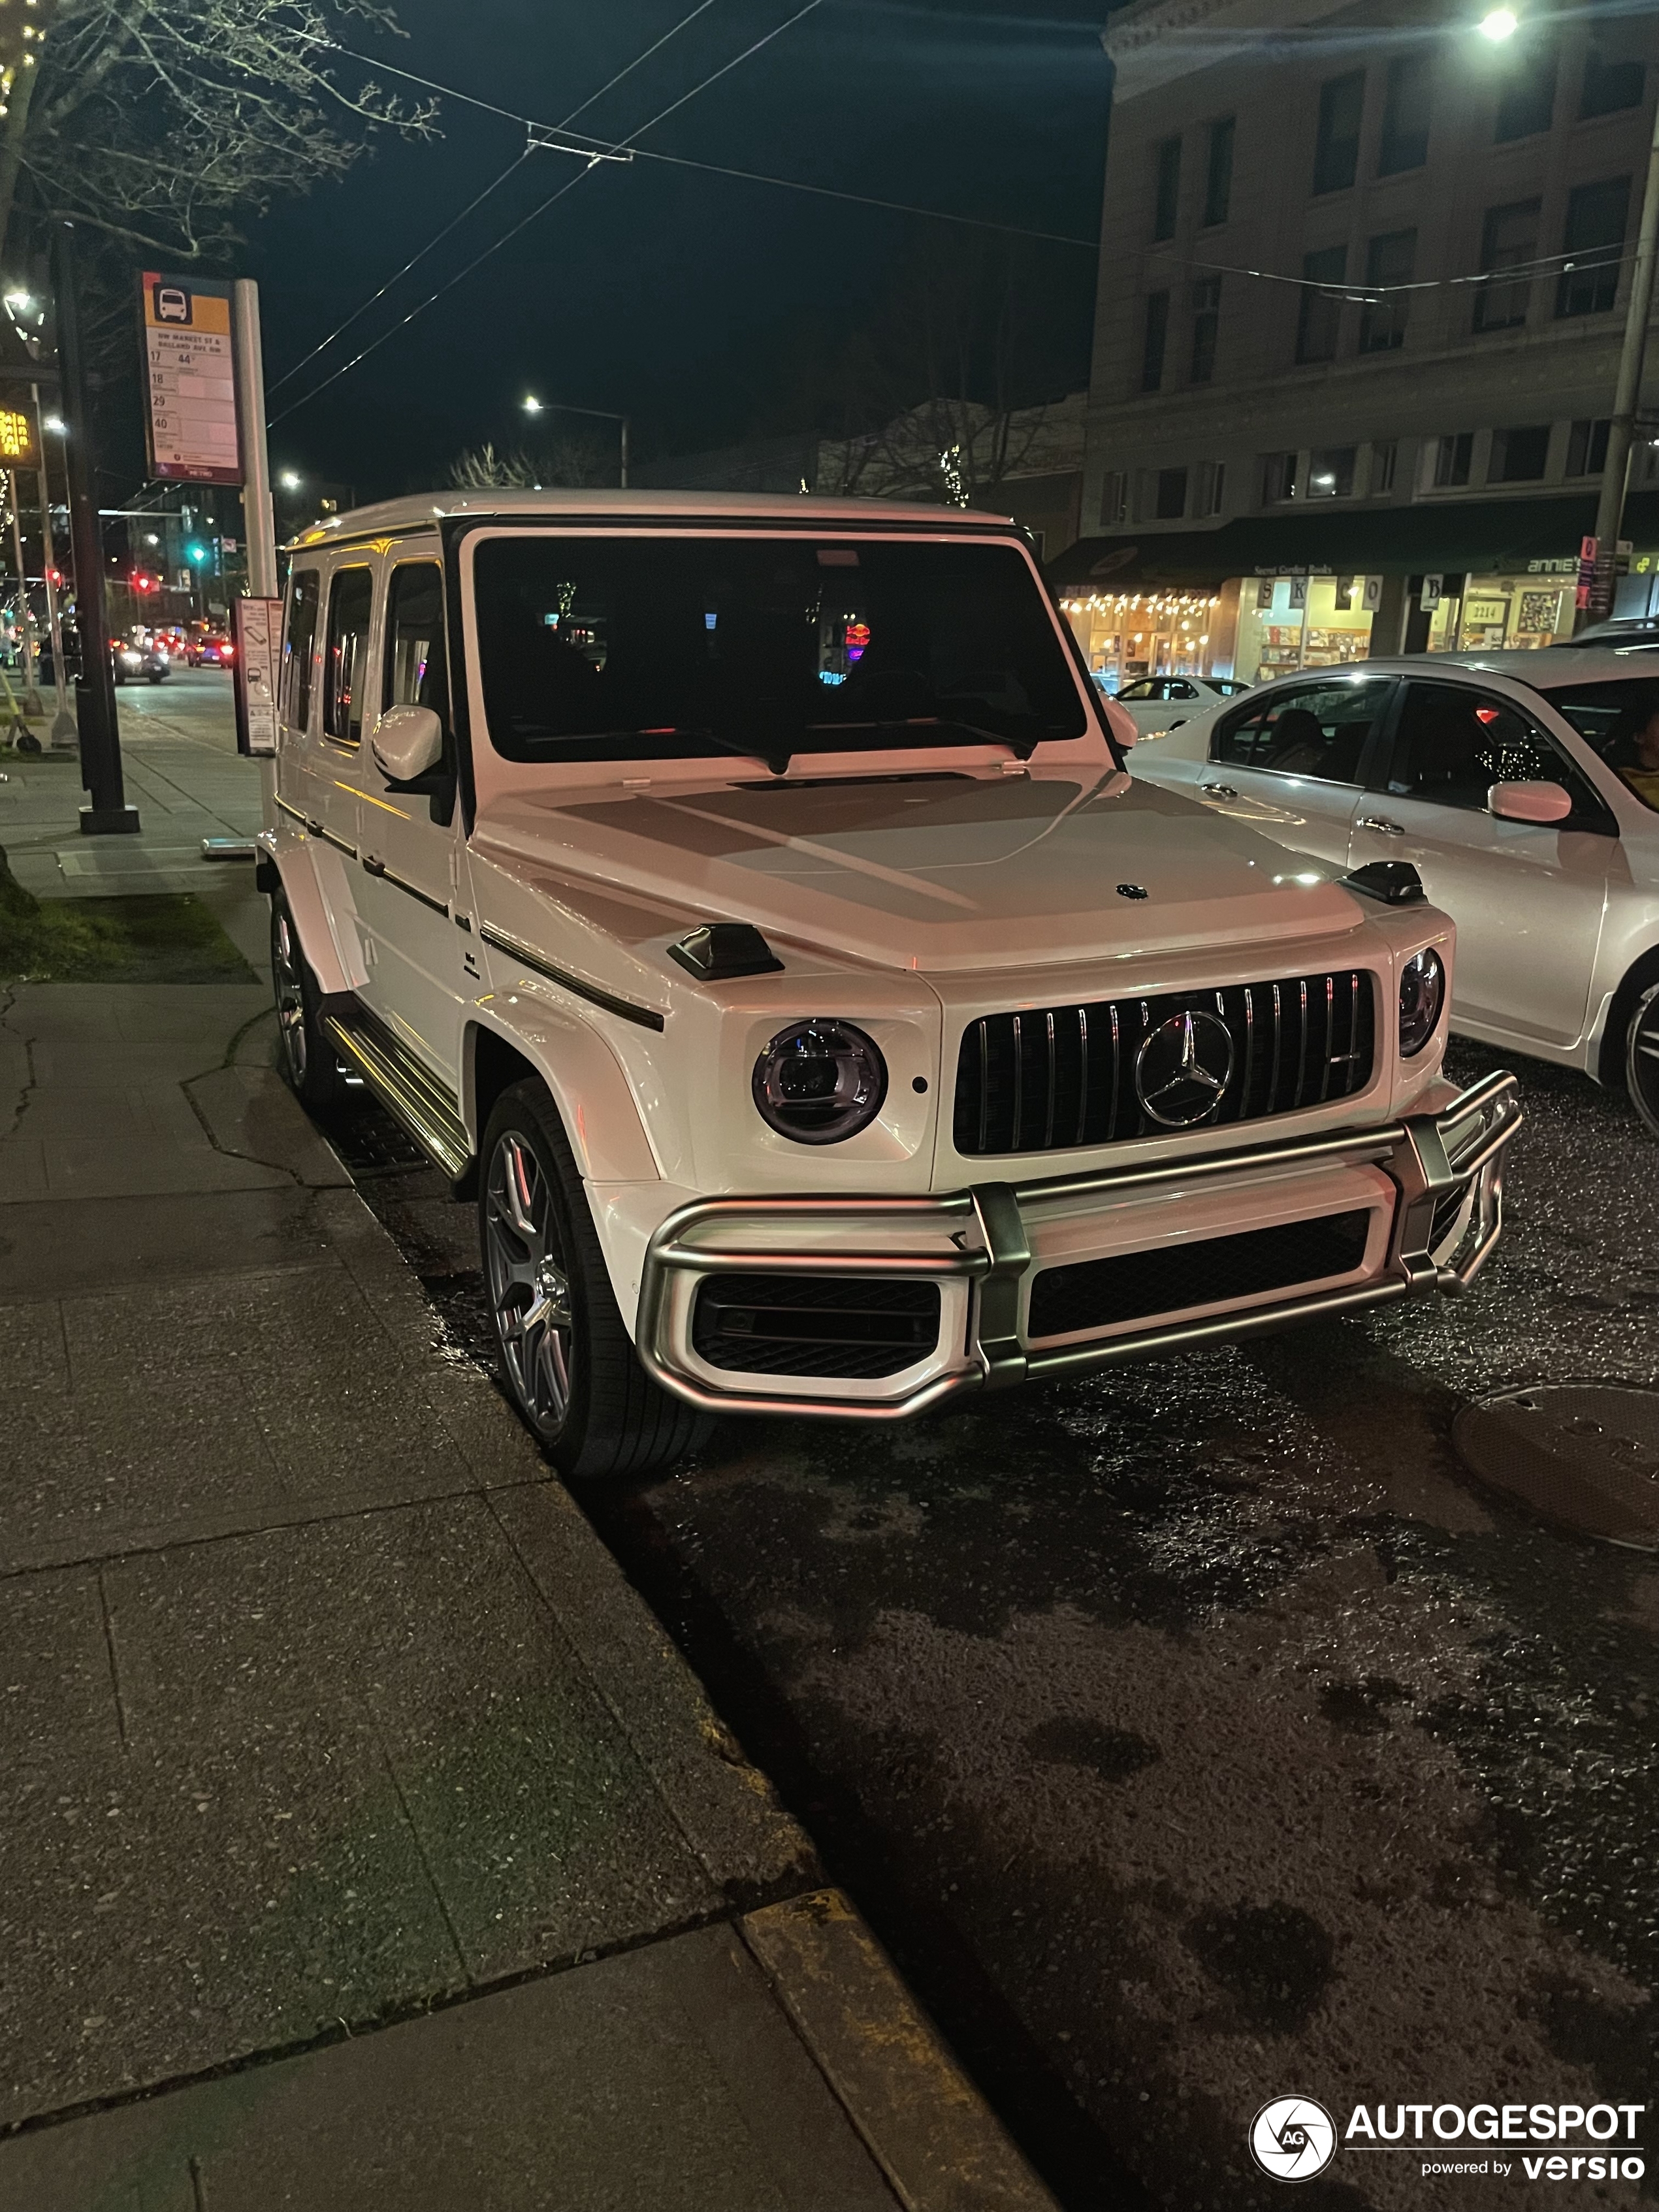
(1584, 1454)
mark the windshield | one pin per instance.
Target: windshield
(663, 648)
(1619, 722)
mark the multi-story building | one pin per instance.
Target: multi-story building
(1362, 290)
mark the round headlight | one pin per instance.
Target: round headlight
(1422, 994)
(819, 1081)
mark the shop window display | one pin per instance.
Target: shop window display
(1302, 621)
(1127, 635)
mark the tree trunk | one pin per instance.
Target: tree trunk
(11, 146)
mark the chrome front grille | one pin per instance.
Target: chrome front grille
(1061, 1078)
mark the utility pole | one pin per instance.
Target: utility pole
(1627, 394)
(31, 701)
(64, 732)
(94, 692)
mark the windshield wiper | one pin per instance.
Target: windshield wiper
(1022, 748)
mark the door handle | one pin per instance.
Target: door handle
(1383, 828)
(1218, 791)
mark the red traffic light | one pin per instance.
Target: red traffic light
(54, 577)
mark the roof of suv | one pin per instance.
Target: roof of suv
(426, 508)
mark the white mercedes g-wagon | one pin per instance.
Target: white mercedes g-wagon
(749, 899)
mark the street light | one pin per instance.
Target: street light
(56, 424)
(289, 480)
(534, 406)
(1502, 23)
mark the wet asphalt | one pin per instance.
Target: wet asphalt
(1202, 1733)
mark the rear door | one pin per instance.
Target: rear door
(1292, 761)
(1528, 897)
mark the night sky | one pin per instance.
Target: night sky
(687, 299)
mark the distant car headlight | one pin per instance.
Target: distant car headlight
(1422, 994)
(819, 1081)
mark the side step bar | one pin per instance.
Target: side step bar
(426, 1107)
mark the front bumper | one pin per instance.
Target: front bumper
(1433, 1185)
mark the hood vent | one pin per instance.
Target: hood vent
(721, 950)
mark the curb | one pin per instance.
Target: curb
(922, 2121)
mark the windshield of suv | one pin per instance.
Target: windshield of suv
(663, 648)
(1621, 722)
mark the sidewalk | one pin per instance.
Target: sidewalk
(363, 1841)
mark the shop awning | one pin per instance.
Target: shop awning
(1481, 536)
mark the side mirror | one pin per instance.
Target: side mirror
(1530, 802)
(408, 741)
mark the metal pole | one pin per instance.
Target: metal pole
(1621, 430)
(63, 722)
(94, 692)
(624, 485)
(32, 699)
(259, 518)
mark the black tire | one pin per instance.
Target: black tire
(1642, 1058)
(309, 1060)
(566, 1356)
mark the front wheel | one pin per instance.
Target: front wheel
(1642, 1058)
(565, 1351)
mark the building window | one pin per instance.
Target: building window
(1519, 456)
(1320, 314)
(1210, 482)
(1526, 99)
(1385, 458)
(1336, 152)
(1113, 498)
(1278, 478)
(1157, 331)
(1207, 318)
(1389, 261)
(1170, 496)
(1451, 459)
(1405, 116)
(1509, 239)
(1592, 243)
(1586, 448)
(1167, 196)
(1330, 472)
(1613, 72)
(1218, 173)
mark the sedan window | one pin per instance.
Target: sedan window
(1619, 722)
(1317, 730)
(1454, 743)
(1141, 691)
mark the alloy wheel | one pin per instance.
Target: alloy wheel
(1642, 1058)
(285, 958)
(529, 1286)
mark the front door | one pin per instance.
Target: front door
(1528, 897)
(1292, 763)
(407, 883)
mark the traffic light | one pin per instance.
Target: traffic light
(196, 552)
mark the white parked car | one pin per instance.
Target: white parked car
(1523, 786)
(1157, 704)
(747, 899)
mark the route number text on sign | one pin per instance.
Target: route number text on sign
(191, 378)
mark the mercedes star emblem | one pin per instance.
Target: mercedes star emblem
(1183, 1068)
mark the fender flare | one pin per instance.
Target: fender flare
(298, 862)
(589, 1086)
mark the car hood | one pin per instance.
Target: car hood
(931, 872)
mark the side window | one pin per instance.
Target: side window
(298, 641)
(1453, 744)
(1138, 691)
(350, 603)
(1318, 729)
(415, 673)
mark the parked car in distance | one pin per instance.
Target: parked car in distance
(1634, 634)
(1523, 786)
(745, 898)
(1157, 704)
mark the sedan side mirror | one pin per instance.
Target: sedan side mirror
(1530, 802)
(408, 741)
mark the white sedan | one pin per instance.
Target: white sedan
(1157, 704)
(1524, 787)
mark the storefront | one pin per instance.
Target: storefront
(1264, 596)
